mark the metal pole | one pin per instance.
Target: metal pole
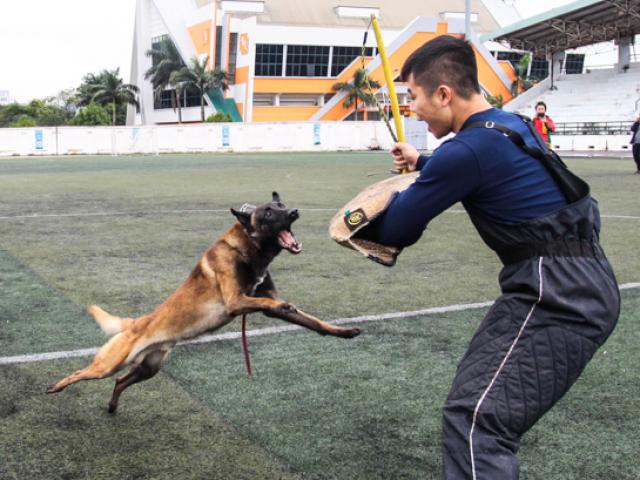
(467, 19)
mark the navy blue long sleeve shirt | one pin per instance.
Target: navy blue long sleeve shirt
(482, 169)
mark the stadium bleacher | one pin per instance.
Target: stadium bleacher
(602, 95)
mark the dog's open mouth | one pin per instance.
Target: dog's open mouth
(288, 241)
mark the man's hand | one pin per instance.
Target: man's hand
(404, 156)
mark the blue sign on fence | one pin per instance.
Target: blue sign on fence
(316, 134)
(225, 135)
(39, 142)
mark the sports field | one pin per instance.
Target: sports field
(124, 232)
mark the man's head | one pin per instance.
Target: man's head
(541, 109)
(441, 74)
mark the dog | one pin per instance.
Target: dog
(231, 279)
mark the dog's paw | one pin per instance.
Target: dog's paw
(52, 388)
(349, 332)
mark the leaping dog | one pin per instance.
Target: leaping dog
(231, 279)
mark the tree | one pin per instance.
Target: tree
(12, 112)
(166, 62)
(92, 114)
(521, 82)
(23, 121)
(111, 90)
(360, 88)
(495, 100)
(67, 100)
(197, 76)
(35, 113)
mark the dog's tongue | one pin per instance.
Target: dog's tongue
(289, 242)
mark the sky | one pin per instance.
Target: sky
(49, 45)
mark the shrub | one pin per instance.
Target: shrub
(219, 117)
(92, 114)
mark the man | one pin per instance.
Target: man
(544, 125)
(560, 299)
(635, 143)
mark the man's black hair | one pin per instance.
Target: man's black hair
(444, 60)
(543, 104)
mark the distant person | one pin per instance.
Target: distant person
(544, 125)
(635, 143)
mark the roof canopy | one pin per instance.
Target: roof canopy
(577, 24)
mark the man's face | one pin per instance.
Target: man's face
(434, 109)
(540, 110)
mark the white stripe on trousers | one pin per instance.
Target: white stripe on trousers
(504, 361)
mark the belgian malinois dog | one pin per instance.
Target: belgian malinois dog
(231, 279)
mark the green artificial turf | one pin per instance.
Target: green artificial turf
(124, 232)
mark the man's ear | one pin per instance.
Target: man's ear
(275, 197)
(444, 94)
(244, 218)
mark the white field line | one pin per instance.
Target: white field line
(215, 210)
(87, 352)
(135, 214)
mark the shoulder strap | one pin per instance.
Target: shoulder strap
(573, 187)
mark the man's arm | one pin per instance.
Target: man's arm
(451, 174)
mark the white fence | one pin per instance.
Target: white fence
(239, 137)
(236, 137)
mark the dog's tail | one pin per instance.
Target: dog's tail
(108, 323)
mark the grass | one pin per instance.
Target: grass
(318, 408)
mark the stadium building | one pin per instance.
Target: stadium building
(283, 56)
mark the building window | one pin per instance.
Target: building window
(539, 65)
(264, 100)
(574, 63)
(343, 56)
(307, 61)
(190, 98)
(155, 44)
(165, 100)
(233, 56)
(539, 68)
(299, 100)
(512, 57)
(268, 60)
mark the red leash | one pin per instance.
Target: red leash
(245, 345)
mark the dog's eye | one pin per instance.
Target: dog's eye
(267, 214)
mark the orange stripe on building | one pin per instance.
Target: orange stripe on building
(283, 114)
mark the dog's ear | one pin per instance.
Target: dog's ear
(275, 197)
(244, 218)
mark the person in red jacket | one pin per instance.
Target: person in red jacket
(544, 125)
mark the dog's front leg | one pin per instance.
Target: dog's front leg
(237, 302)
(293, 315)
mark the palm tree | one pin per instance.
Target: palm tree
(113, 91)
(359, 88)
(166, 63)
(198, 77)
(521, 69)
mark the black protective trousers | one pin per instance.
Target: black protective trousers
(636, 155)
(526, 354)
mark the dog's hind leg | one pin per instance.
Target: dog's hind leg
(143, 371)
(109, 359)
